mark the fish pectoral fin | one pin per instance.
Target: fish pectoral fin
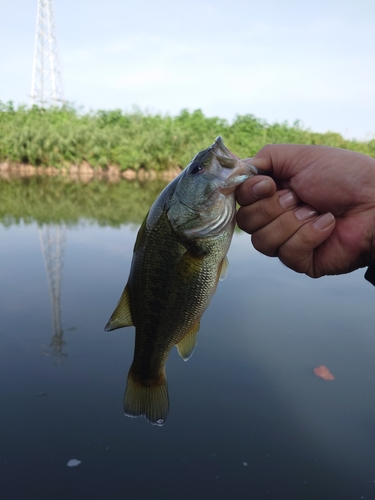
(122, 315)
(224, 269)
(187, 344)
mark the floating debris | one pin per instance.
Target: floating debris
(73, 462)
(323, 372)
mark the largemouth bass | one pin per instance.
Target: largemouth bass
(179, 256)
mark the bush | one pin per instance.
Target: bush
(61, 137)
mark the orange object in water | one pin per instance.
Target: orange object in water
(323, 372)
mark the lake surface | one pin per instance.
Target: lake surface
(248, 418)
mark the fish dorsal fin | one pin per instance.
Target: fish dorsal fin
(224, 269)
(122, 315)
(187, 344)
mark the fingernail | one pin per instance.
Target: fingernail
(324, 221)
(305, 212)
(261, 189)
(288, 199)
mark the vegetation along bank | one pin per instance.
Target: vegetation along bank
(130, 143)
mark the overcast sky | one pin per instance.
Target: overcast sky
(311, 60)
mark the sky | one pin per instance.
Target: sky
(280, 60)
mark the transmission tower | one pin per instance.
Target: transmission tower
(52, 240)
(46, 84)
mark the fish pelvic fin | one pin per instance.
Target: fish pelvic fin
(187, 344)
(224, 269)
(122, 315)
(150, 401)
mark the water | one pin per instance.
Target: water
(248, 417)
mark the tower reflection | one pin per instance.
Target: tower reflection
(52, 241)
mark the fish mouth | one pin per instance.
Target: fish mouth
(239, 170)
(220, 151)
(228, 155)
(242, 171)
(230, 171)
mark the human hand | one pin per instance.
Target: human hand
(318, 214)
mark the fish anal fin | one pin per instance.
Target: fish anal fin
(122, 315)
(224, 269)
(187, 344)
(150, 401)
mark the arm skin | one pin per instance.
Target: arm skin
(317, 213)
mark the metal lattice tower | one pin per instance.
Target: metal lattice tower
(46, 85)
(52, 240)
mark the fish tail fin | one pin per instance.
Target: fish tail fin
(150, 401)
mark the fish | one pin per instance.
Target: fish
(179, 256)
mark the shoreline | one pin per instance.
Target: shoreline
(85, 173)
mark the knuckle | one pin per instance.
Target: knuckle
(301, 267)
(268, 210)
(263, 244)
(244, 221)
(298, 251)
(286, 224)
(308, 239)
(266, 150)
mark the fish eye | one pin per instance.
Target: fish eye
(195, 167)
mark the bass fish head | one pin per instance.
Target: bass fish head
(203, 201)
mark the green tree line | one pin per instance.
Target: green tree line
(61, 137)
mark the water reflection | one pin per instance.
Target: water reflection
(52, 241)
(248, 394)
(55, 200)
